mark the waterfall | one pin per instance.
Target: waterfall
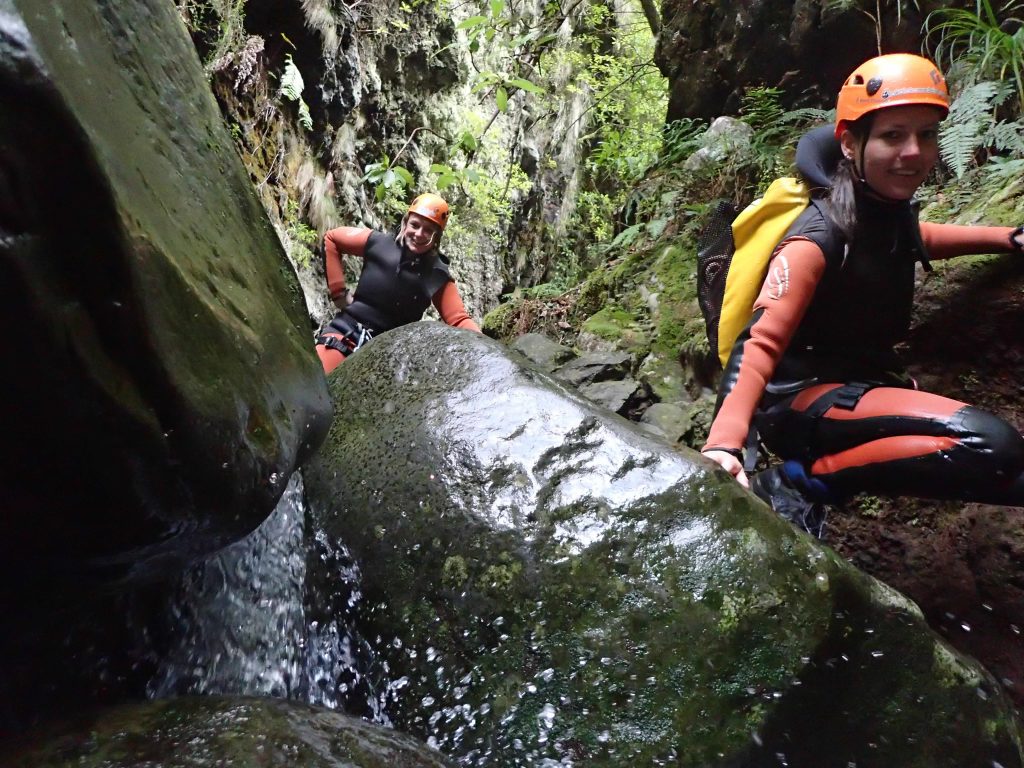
(241, 622)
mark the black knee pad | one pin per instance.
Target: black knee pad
(995, 444)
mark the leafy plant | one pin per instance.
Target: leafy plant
(972, 126)
(491, 26)
(386, 176)
(978, 43)
(775, 128)
(291, 89)
(680, 139)
(1004, 171)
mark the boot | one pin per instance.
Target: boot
(775, 487)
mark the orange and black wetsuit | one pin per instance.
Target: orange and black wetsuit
(395, 288)
(816, 373)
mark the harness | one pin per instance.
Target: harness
(845, 397)
(350, 338)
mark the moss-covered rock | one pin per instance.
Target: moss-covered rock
(620, 327)
(546, 583)
(165, 383)
(221, 731)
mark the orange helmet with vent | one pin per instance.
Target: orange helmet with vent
(893, 80)
(432, 207)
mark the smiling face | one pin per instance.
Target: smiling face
(420, 234)
(900, 152)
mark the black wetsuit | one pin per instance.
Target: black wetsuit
(835, 398)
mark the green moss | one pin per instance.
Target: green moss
(615, 324)
(499, 321)
(499, 577)
(454, 573)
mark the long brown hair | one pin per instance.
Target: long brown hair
(842, 193)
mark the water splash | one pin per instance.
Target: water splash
(240, 621)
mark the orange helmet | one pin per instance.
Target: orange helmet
(893, 80)
(432, 207)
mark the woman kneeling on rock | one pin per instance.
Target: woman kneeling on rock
(815, 369)
(402, 274)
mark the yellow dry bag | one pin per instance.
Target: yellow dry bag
(733, 255)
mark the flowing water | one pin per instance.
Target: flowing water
(240, 622)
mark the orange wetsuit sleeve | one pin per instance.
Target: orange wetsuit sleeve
(350, 240)
(793, 275)
(944, 241)
(452, 310)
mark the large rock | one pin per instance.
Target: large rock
(160, 383)
(543, 582)
(220, 731)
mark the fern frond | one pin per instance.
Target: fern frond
(291, 81)
(1007, 137)
(957, 142)
(1003, 172)
(974, 102)
(291, 89)
(807, 115)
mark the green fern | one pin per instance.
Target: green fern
(978, 42)
(291, 89)
(1008, 137)
(1004, 171)
(762, 110)
(680, 139)
(964, 132)
(775, 128)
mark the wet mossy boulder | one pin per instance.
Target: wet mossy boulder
(545, 583)
(160, 383)
(222, 731)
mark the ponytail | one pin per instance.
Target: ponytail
(842, 193)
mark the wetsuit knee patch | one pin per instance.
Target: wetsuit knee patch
(995, 439)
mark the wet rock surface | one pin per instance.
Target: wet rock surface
(544, 582)
(221, 731)
(164, 379)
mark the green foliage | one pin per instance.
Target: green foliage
(388, 178)
(291, 89)
(972, 126)
(1002, 171)
(501, 25)
(977, 44)
(680, 139)
(304, 238)
(629, 97)
(775, 128)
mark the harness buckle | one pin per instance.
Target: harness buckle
(348, 342)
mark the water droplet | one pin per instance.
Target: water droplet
(877, 654)
(965, 626)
